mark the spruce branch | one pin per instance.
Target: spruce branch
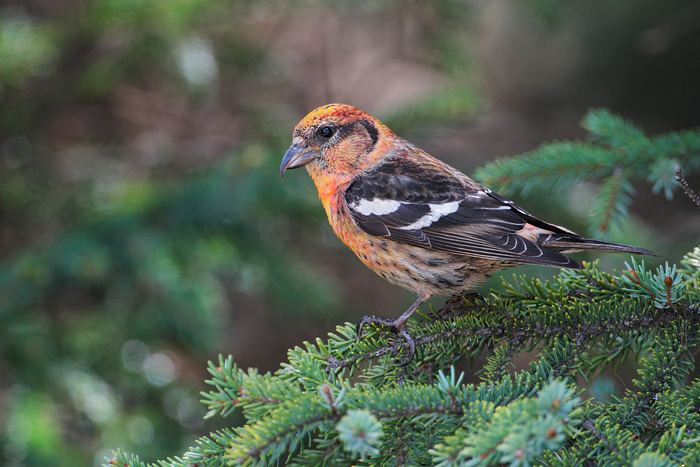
(579, 322)
(616, 154)
(256, 394)
(619, 433)
(610, 129)
(589, 425)
(612, 203)
(360, 431)
(123, 459)
(691, 271)
(582, 305)
(514, 433)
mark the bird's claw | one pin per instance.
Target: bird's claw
(359, 327)
(366, 320)
(396, 327)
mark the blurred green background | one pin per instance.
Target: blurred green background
(143, 225)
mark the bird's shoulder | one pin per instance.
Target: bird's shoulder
(410, 174)
(409, 184)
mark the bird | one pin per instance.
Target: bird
(414, 220)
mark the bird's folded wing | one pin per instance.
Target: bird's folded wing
(425, 205)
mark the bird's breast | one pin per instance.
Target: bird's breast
(421, 270)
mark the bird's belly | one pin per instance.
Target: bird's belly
(423, 271)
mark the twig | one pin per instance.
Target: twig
(616, 179)
(682, 182)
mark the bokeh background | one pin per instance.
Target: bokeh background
(143, 226)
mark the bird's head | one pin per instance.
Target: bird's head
(336, 140)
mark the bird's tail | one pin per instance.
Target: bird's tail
(572, 243)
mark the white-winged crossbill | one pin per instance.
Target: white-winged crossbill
(414, 220)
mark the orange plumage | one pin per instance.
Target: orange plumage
(414, 220)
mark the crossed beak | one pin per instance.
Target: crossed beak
(296, 156)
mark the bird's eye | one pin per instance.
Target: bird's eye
(326, 131)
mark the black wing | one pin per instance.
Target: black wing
(427, 206)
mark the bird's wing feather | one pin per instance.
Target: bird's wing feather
(427, 205)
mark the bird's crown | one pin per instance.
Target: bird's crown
(338, 114)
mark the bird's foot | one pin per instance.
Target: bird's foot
(396, 326)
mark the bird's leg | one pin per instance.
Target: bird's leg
(397, 325)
